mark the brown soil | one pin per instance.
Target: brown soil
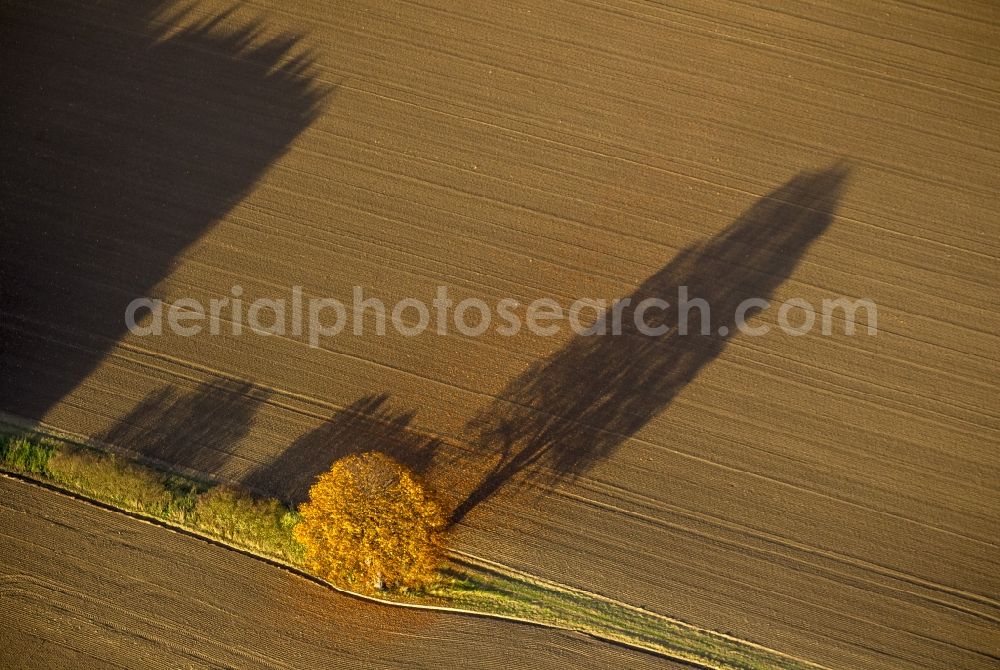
(834, 497)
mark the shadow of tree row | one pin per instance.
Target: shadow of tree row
(558, 418)
(367, 425)
(200, 430)
(128, 133)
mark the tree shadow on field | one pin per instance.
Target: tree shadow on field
(128, 132)
(568, 412)
(198, 430)
(367, 425)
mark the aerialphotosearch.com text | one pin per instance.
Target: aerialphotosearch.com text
(315, 319)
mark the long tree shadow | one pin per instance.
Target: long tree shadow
(127, 134)
(367, 425)
(575, 408)
(198, 430)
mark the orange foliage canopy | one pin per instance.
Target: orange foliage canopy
(369, 524)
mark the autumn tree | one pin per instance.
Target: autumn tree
(368, 523)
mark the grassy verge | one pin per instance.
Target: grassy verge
(472, 586)
(264, 527)
(222, 513)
